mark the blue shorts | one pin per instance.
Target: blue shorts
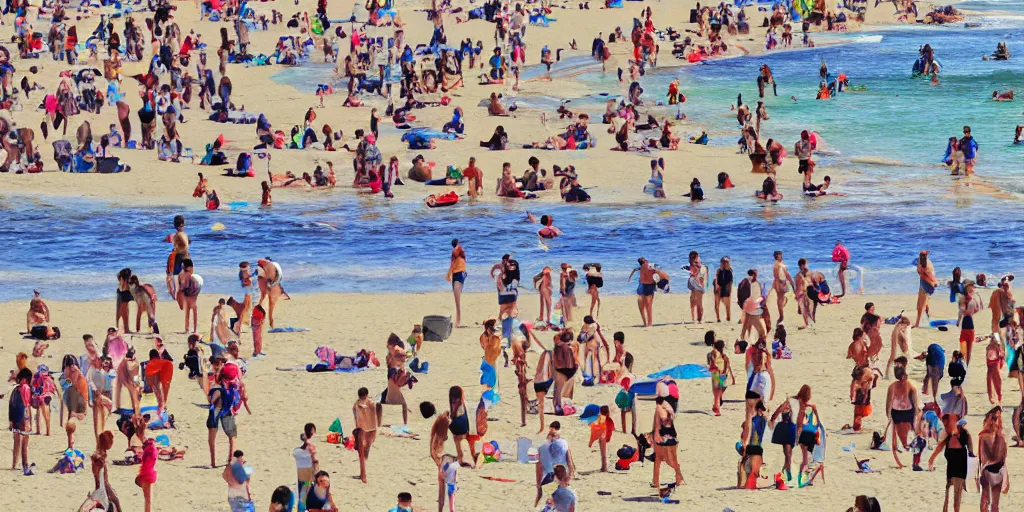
(507, 298)
(459, 277)
(645, 289)
(451, 489)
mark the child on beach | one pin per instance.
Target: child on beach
(404, 503)
(721, 369)
(864, 380)
(601, 431)
(450, 470)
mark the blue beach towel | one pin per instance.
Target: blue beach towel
(683, 372)
(287, 329)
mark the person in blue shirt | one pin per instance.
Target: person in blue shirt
(497, 63)
(404, 503)
(935, 359)
(969, 147)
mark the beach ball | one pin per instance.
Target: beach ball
(488, 449)
(217, 226)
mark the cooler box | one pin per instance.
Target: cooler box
(436, 328)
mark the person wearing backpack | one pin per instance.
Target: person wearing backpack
(19, 415)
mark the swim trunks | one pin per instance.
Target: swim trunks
(645, 289)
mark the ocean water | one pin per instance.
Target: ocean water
(884, 145)
(359, 245)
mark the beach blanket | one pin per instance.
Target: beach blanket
(314, 369)
(683, 372)
(287, 329)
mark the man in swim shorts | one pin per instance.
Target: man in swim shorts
(178, 255)
(645, 292)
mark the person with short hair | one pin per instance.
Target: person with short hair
(367, 419)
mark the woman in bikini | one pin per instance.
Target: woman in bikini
(306, 463)
(594, 283)
(124, 297)
(589, 335)
(901, 407)
(956, 447)
(994, 478)
(566, 362)
(665, 443)
(506, 277)
(459, 422)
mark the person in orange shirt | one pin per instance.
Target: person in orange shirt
(159, 373)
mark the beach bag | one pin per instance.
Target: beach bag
(436, 327)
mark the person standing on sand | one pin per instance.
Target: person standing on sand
(178, 255)
(723, 289)
(367, 419)
(189, 286)
(926, 273)
(803, 301)
(968, 305)
(956, 447)
(645, 291)
(994, 478)
(803, 152)
(697, 283)
(782, 281)
(1001, 303)
(901, 408)
(841, 256)
(457, 276)
(871, 323)
(666, 446)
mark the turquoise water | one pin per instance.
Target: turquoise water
(884, 145)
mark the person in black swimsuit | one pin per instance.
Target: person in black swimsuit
(124, 297)
(595, 281)
(723, 289)
(665, 442)
(956, 447)
(459, 426)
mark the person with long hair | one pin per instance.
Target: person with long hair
(457, 276)
(665, 443)
(459, 426)
(306, 463)
(595, 281)
(926, 273)
(901, 407)
(807, 422)
(956, 446)
(100, 470)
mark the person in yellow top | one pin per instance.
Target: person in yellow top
(457, 276)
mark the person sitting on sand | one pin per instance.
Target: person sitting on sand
(37, 320)
(421, 171)
(495, 108)
(498, 140)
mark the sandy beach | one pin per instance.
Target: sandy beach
(342, 239)
(283, 401)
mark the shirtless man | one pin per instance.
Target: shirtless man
(803, 280)
(367, 419)
(783, 280)
(645, 292)
(178, 255)
(858, 350)
(999, 302)
(270, 285)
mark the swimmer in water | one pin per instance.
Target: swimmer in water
(549, 230)
(1004, 96)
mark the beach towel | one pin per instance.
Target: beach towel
(683, 372)
(287, 329)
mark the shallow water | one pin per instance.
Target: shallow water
(352, 245)
(884, 144)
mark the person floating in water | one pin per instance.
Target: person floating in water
(1002, 96)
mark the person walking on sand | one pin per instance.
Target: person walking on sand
(666, 445)
(645, 291)
(20, 420)
(723, 289)
(269, 280)
(803, 301)
(994, 478)
(367, 419)
(901, 408)
(926, 273)
(595, 281)
(190, 285)
(179, 254)
(721, 371)
(968, 305)
(457, 276)
(781, 283)
(542, 283)
(956, 447)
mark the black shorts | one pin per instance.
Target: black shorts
(542, 387)
(802, 167)
(808, 439)
(752, 395)
(755, 450)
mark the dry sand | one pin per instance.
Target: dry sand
(283, 401)
(619, 176)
